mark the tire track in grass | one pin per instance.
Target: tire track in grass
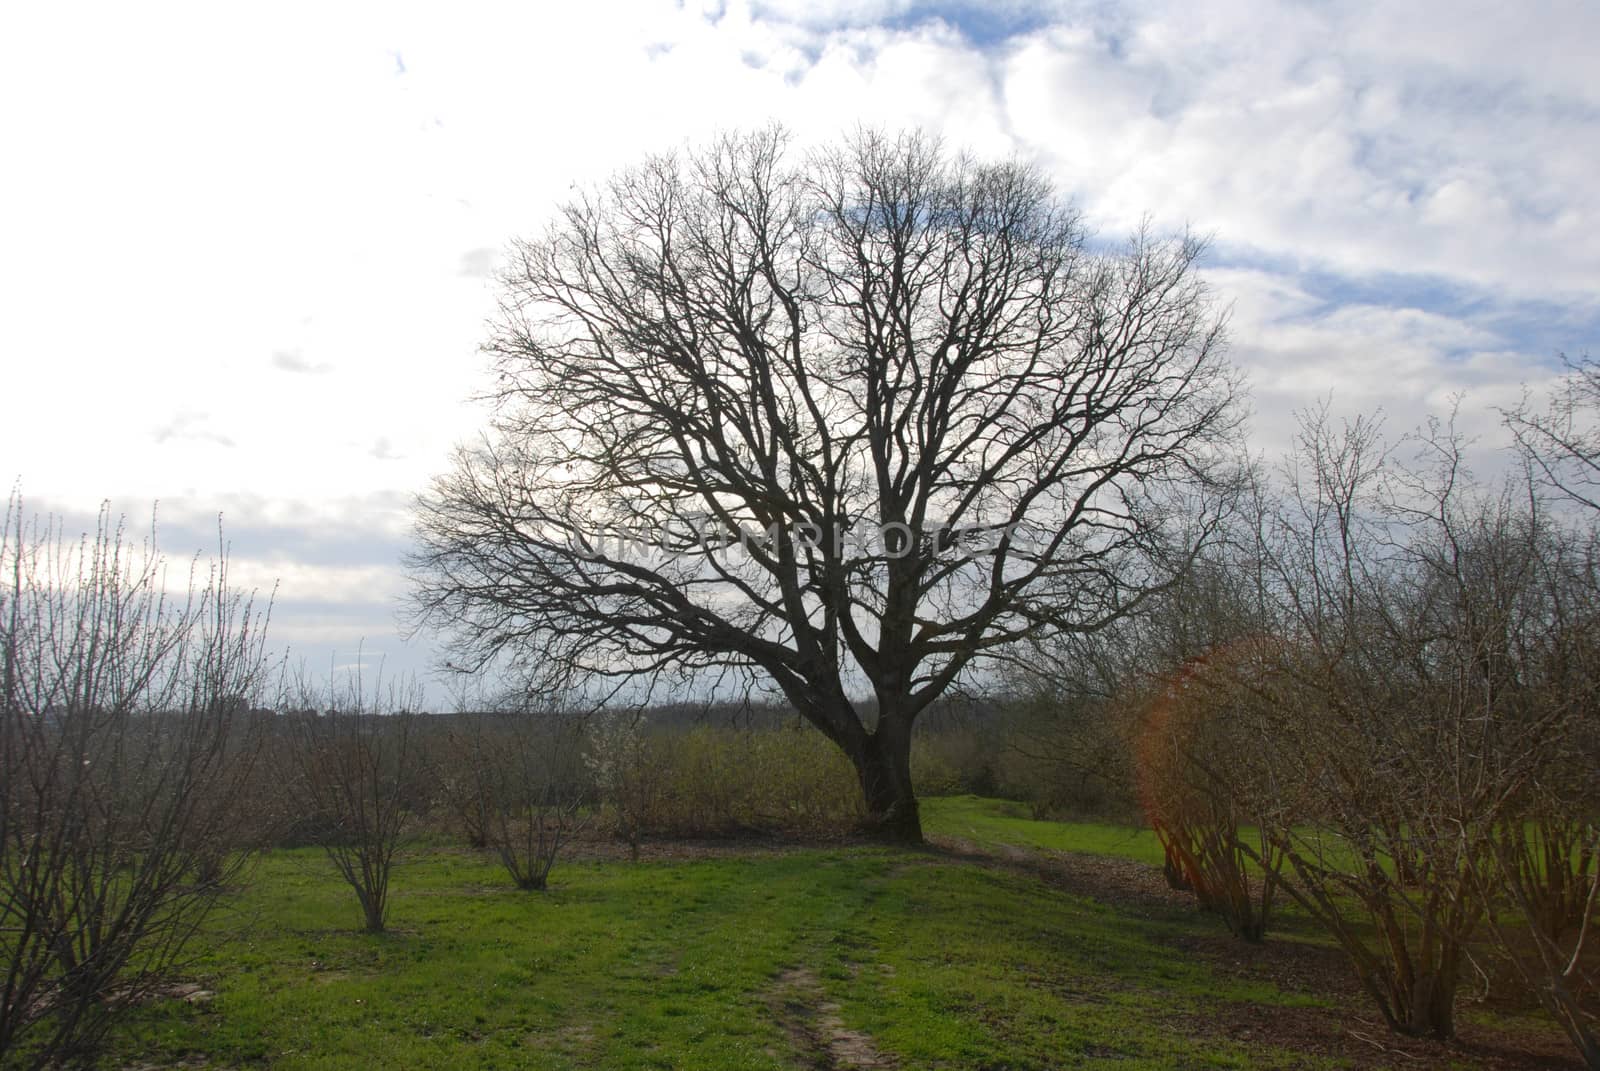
(815, 1029)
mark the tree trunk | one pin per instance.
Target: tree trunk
(1433, 1003)
(883, 763)
(1429, 1009)
(371, 909)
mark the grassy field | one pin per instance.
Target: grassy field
(1001, 822)
(747, 957)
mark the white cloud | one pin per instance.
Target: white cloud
(1337, 135)
(305, 582)
(1299, 351)
(201, 199)
(295, 361)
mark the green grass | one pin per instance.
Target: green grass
(1002, 822)
(748, 961)
(659, 965)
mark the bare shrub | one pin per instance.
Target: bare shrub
(1398, 810)
(1547, 852)
(527, 784)
(1418, 606)
(628, 781)
(1545, 870)
(456, 774)
(1089, 699)
(356, 766)
(1561, 441)
(1197, 750)
(1541, 878)
(122, 754)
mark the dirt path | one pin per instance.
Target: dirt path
(815, 1029)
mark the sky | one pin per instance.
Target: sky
(246, 253)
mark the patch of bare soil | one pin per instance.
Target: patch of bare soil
(815, 1029)
(1346, 1033)
(572, 1040)
(1348, 1028)
(595, 847)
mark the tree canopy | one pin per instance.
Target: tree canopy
(845, 422)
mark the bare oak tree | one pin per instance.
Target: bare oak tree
(843, 422)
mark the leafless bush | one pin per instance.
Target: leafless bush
(357, 764)
(1548, 853)
(1423, 619)
(122, 754)
(1197, 753)
(1544, 870)
(1379, 727)
(457, 780)
(525, 786)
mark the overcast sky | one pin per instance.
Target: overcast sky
(244, 258)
